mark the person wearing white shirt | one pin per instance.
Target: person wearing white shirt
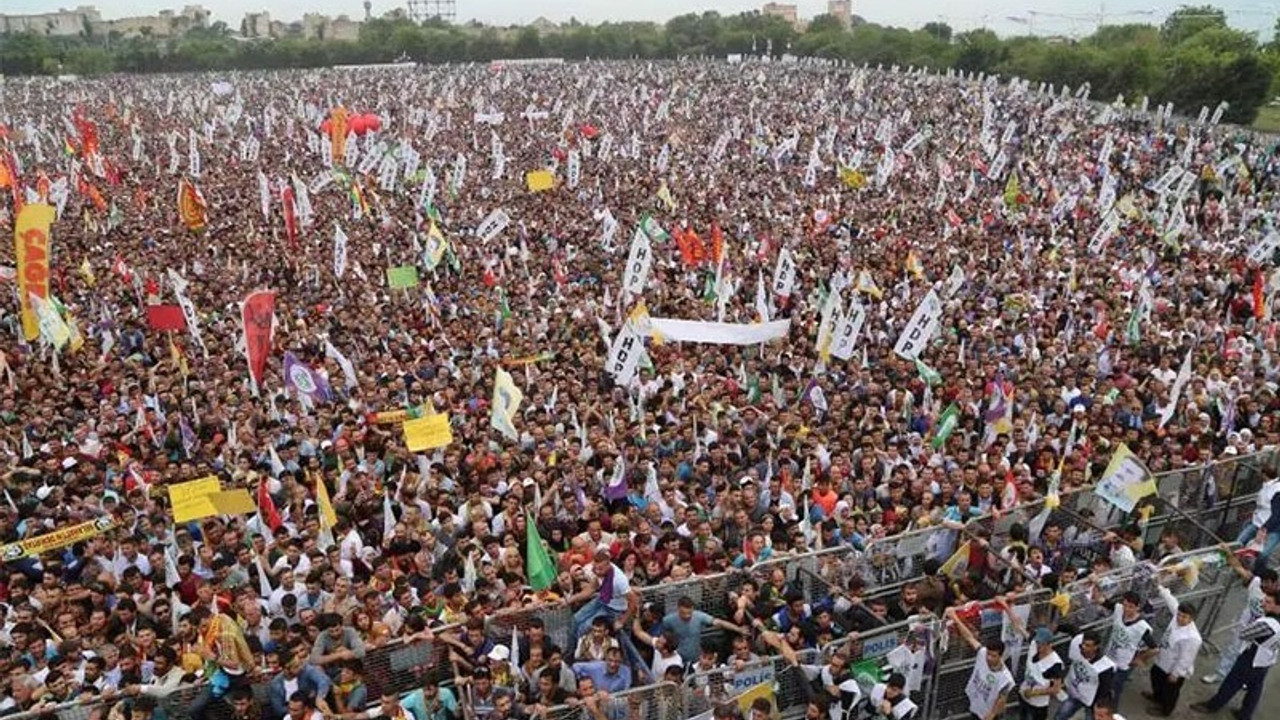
(1043, 679)
(1177, 656)
(990, 682)
(288, 586)
(351, 548)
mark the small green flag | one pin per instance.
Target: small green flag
(754, 393)
(434, 214)
(709, 289)
(506, 307)
(537, 562)
(867, 672)
(947, 423)
(928, 374)
(403, 277)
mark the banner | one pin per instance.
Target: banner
(191, 206)
(624, 354)
(639, 260)
(846, 337)
(300, 377)
(716, 333)
(1262, 251)
(539, 180)
(257, 315)
(187, 499)
(506, 401)
(495, 223)
(338, 134)
(51, 325)
(31, 247)
(36, 546)
(391, 417)
(339, 251)
(428, 433)
(264, 196)
(403, 277)
(784, 274)
(1125, 481)
(922, 326)
(166, 318)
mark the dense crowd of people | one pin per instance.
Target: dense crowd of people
(1091, 266)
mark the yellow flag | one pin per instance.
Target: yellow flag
(852, 179)
(86, 272)
(539, 180)
(328, 518)
(664, 194)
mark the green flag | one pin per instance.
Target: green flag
(505, 306)
(928, 374)
(402, 277)
(537, 563)
(754, 393)
(946, 425)
(867, 671)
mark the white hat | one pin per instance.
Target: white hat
(499, 653)
(43, 492)
(528, 482)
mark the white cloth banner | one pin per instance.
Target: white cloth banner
(784, 275)
(1261, 252)
(923, 325)
(716, 333)
(624, 355)
(846, 338)
(639, 261)
(497, 221)
(339, 251)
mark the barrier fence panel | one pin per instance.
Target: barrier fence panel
(664, 701)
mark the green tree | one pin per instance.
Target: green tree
(1189, 20)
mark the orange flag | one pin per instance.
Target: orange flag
(191, 206)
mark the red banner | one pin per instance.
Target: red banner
(290, 215)
(258, 315)
(166, 318)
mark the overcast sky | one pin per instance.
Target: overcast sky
(1065, 17)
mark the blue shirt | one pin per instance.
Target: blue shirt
(598, 671)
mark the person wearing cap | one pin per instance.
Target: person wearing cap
(1176, 660)
(1043, 678)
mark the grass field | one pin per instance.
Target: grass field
(1268, 119)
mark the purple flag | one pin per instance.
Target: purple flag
(300, 377)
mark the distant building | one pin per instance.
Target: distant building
(786, 12)
(61, 23)
(841, 10)
(256, 25)
(544, 26)
(322, 27)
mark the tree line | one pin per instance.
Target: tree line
(1193, 59)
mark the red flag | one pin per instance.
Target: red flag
(696, 247)
(717, 244)
(290, 215)
(267, 507)
(1259, 300)
(258, 316)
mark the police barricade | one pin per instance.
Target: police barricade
(400, 666)
(664, 701)
(1198, 577)
(557, 619)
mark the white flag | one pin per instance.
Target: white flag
(1184, 377)
(784, 274)
(624, 355)
(264, 194)
(339, 251)
(921, 327)
(846, 338)
(348, 370)
(575, 169)
(639, 261)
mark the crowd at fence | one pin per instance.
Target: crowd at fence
(1218, 497)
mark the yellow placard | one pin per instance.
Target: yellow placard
(428, 433)
(763, 690)
(233, 502)
(539, 180)
(190, 500)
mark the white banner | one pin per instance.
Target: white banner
(339, 251)
(846, 338)
(639, 260)
(1261, 252)
(922, 326)
(784, 274)
(716, 333)
(575, 169)
(624, 355)
(497, 221)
